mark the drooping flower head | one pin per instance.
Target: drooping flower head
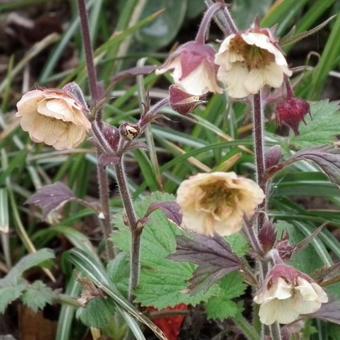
(193, 68)
(286, 294)
(217, 202)
(248, 61)
(54, 117)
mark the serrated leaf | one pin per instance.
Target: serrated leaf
(10, 294)
(98, 313)
(163, 283)
(321, 128)
(51, 197)
(218, 309)
(238, 244)
(233, 286)
(37, 295)
(118, 271)
(24, 264)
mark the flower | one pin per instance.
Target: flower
(292, 112)
(194, 70)
(53, 117)
(286, 294)
(217, 202)
(182, 101)
(249, 61)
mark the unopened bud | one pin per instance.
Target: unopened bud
(291, 112)
(267, 236)
(181, 101)
(111, 135)
(273, 156)
(129, 131)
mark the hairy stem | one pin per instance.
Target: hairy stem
(258, 136)
(103, 183)
(203, 30)
(133, 225)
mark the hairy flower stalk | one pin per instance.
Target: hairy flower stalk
(101, 172)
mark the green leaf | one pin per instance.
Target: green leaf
(163, 283)
(322, 128)
(239, 244)
(118, 271)
(24, 264)
(232, 286)
(10, 294)
(37, 295)
(164, 28)
(98, 313)
(218, 309)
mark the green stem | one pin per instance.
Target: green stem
(247, 329)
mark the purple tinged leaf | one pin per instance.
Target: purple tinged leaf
(51, 197)
(171, 209)
(328, 312)
(212, 255)
(327, 160)
(273, 156)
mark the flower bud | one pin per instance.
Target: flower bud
(54, 117)
(286, 294)
(193, 68)
(291, 112)
(111, 135)
(267, 236)
(181, 101)
(273, 156)
(129, 131)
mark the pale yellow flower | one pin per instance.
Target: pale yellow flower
(249, 61)
(217, 202)
(53, 117)
(287, 294)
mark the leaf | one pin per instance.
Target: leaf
(118, 271)
(37, 295)
(164, 29)
(98, 313)
(170, 208)
(238, 244)
(218, 309)
(51, 197)
(212, 255)
(233, 286)
(328, 160)
(24, 264)
(163, 283)
(92, 268)
(321, 128)
(328, 312)
(10, 294)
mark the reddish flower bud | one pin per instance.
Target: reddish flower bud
(181, 101)
(111, 135)
(267, 236)
(273, 156)
(291, 112)
(193, 68)
(285, 249)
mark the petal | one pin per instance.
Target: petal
(54, 129)
(199, 81)
(281, 311)
(305, 307)
(195, 221)
(28, 102)
(234, 79)
(282, 290)
(323, 297)
(273, 74)
(306, 290)
(56, 108)
(255, 81)
(27, 121)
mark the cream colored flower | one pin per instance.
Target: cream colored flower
(217, 202)
(53, 117)
(287, 294)
(193, 68)
(249, 61)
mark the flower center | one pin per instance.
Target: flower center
(254, 56)
(217, 197)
